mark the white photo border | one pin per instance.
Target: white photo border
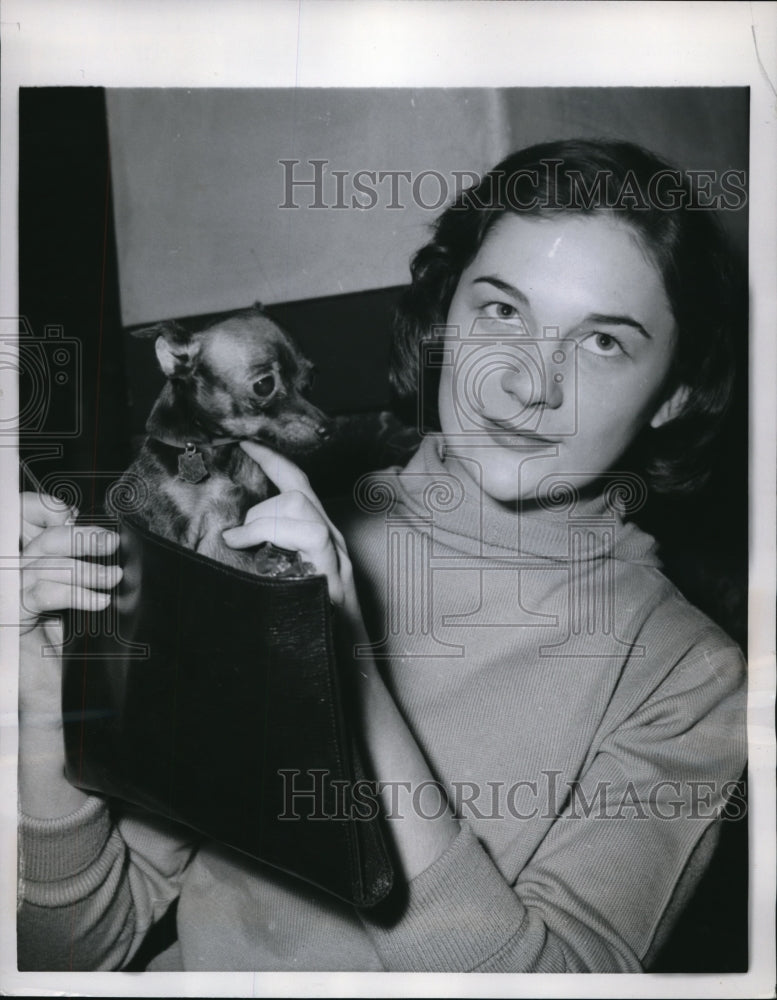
(377, 43)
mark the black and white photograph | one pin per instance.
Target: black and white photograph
(388, 526)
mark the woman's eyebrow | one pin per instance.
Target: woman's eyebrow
(618, 321)
(605, 319)
(503, 286)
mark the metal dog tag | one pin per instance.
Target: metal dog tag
(191, 467)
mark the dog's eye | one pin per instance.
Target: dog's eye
(264, 387)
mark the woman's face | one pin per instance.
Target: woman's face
(557, 353)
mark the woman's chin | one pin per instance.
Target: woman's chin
(506, 475)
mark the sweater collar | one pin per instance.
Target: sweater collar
(441, 490)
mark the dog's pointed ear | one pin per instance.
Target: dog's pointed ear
(175, 359)
(175, 350)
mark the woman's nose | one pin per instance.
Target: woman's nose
(533, 382)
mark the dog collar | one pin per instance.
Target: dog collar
(191, 462)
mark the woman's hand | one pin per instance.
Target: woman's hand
(54, 572)
(55, 576)
(295, 519)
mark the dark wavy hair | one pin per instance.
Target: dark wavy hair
(681, 236)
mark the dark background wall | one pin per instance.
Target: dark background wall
(72, 374)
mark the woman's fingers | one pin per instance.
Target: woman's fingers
(295, 519)
(282, 471)
(50, 585)
(55, 569)
(80, 541)
(291, 521)
(40, 511)
(49, 529)
(46, 596)
(78, 572)
(289, 478)
(309, 538)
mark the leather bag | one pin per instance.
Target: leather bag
(214, 697)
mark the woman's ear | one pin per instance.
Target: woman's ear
(671, 407)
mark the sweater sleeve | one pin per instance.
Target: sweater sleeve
(90, 887)
(593, 894)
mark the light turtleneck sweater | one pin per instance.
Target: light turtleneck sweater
(586, 722)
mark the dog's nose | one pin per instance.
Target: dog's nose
(324, 431)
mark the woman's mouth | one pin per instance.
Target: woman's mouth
(509, 434)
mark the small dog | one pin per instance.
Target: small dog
(238, 379)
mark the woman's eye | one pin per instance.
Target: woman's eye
(602, 344)
(264, 387)
(501, 310)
